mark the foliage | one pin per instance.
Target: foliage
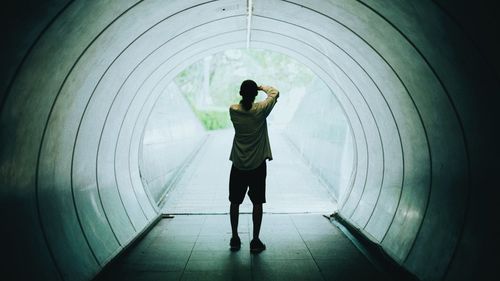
(213, 120)
(211, 85)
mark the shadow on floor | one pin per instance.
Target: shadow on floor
(196, 247)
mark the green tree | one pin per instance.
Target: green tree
(226, 70)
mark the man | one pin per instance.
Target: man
(250, 150)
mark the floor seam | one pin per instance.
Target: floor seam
(192, 249)
(309, 250)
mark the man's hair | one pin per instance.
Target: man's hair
(248, 92)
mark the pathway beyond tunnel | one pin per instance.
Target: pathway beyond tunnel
(291, 187)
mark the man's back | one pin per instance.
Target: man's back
(251, 141)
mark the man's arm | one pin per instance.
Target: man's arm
(272, 98)
(270, 91)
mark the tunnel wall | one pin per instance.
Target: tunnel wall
(172, 134)
(417, 93)
(73, 159)
(322, 136)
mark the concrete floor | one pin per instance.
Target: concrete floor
(196, 247)
(291, 186)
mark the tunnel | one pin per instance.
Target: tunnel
(417, 83)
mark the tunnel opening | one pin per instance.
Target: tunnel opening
(188, 135)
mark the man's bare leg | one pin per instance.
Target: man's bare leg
(234, 213)
(257, 219)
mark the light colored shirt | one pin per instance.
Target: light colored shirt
(251, 141)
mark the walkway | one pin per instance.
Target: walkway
(291, 186)
(196, 247)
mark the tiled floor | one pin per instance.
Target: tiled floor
(196, 247)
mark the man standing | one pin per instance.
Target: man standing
(250, 150)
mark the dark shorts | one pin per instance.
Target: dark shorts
(254, 180)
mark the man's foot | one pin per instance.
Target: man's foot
(235, 243)
(256, 246)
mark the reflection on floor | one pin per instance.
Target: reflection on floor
(196, 247)
(291, 185)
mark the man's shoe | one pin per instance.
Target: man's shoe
(256, 246)
(235, 244)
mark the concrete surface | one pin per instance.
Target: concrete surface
(196, 247)
(291, 186)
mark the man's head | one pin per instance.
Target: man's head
(248, 89)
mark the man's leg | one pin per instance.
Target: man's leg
(256, 246)
(257, 219)
(234, 213)
(257, 194)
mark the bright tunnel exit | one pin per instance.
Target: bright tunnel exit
(186, 143)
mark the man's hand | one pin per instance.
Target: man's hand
(263, 88)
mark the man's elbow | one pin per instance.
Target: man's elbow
(274, 93)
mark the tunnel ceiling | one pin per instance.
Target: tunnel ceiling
(406, 76)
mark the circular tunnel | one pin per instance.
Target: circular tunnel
(82, 78)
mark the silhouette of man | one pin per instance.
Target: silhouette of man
(250, 150)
